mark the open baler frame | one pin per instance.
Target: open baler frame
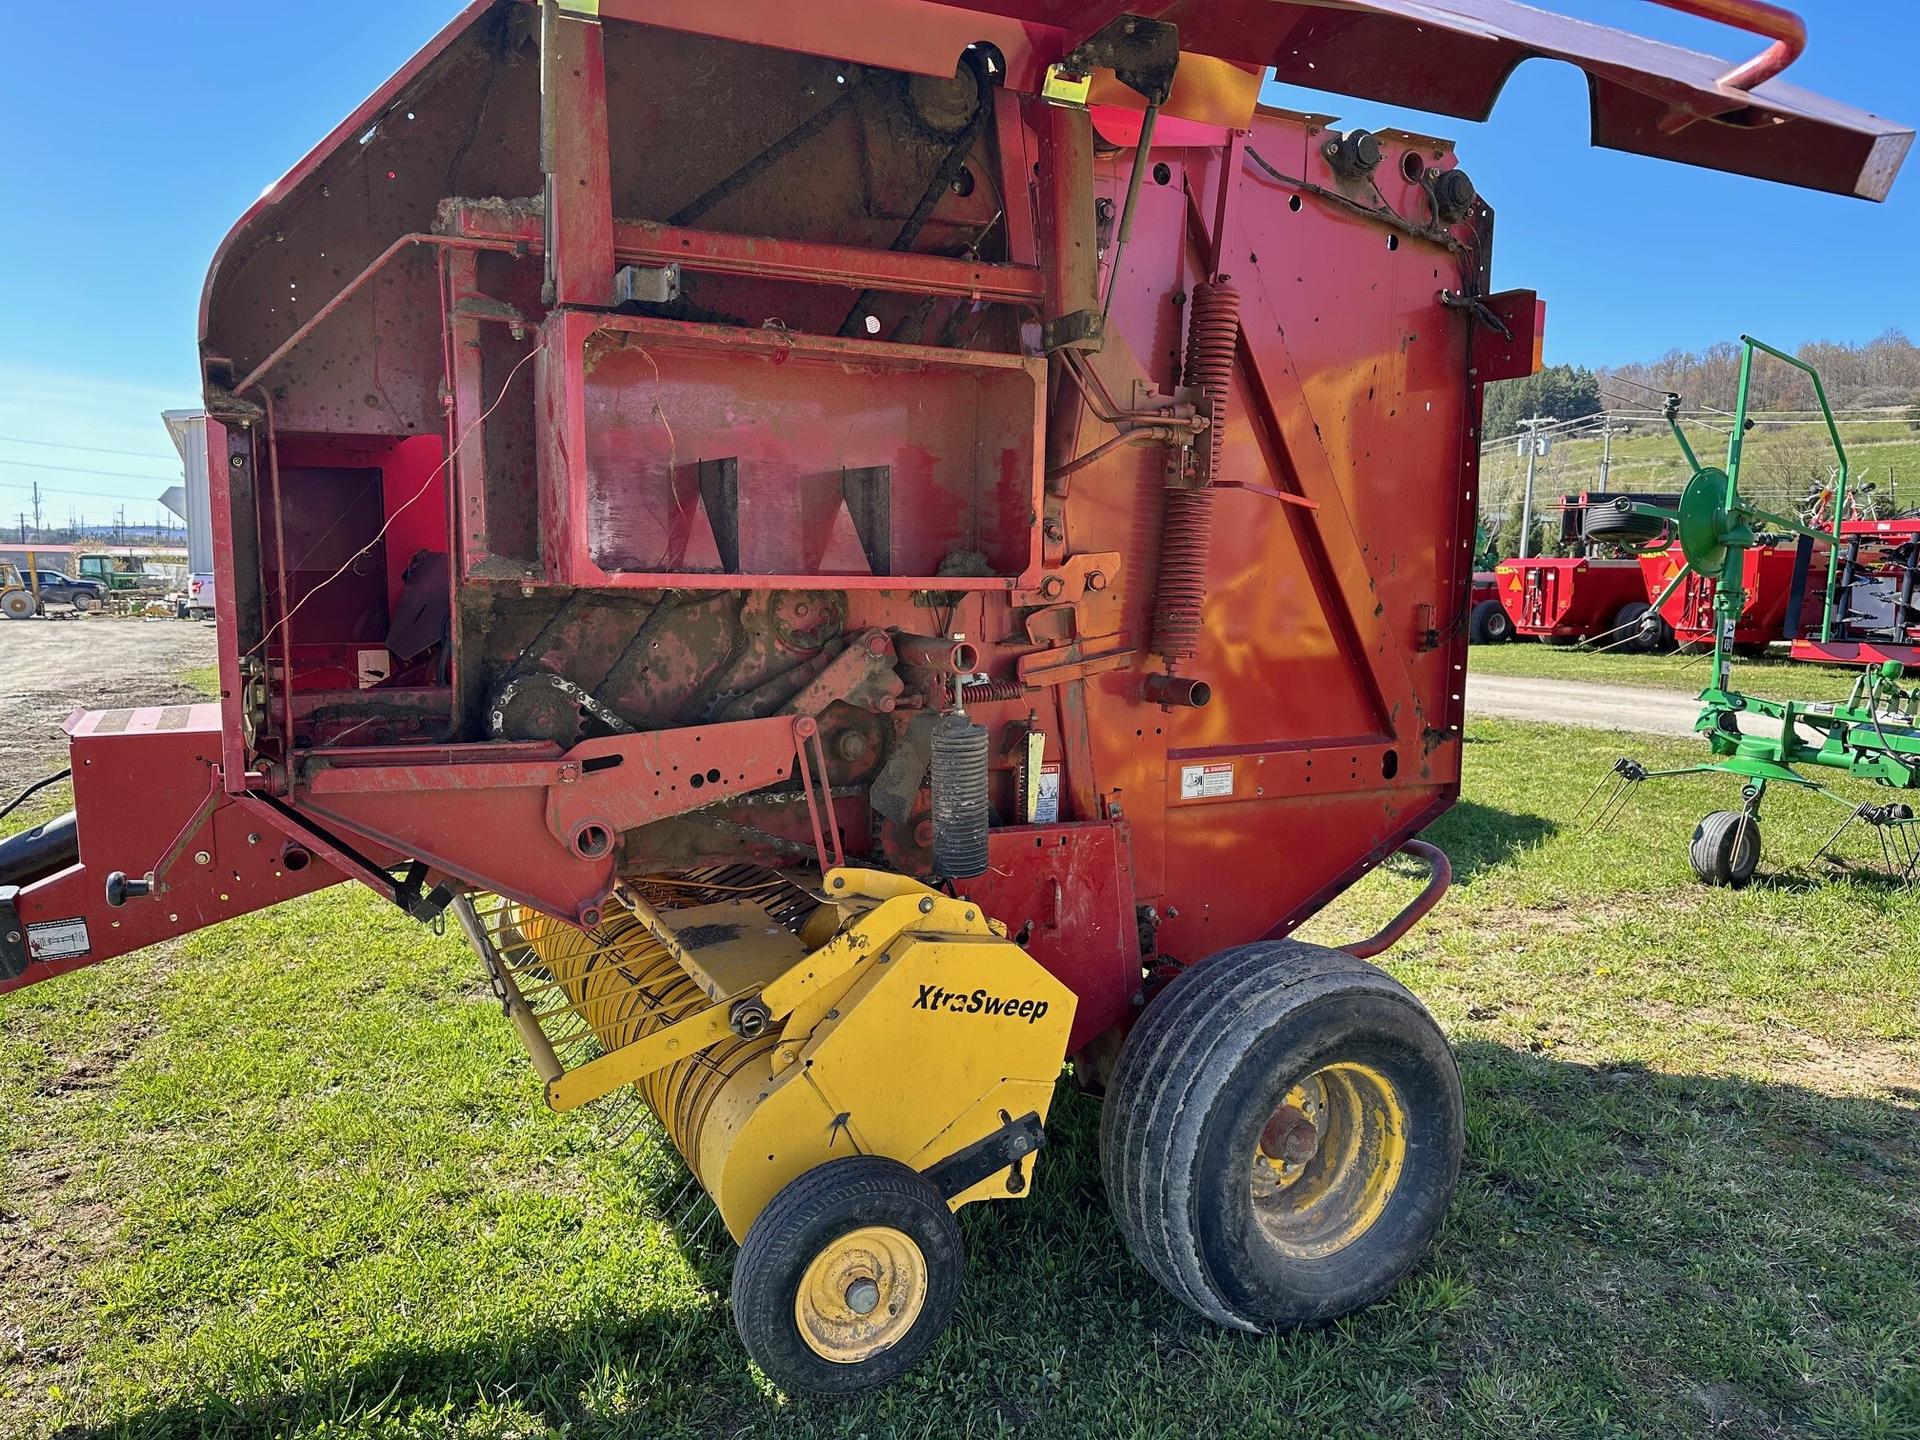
(859, 563)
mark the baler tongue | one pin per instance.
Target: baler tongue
(1454, 57)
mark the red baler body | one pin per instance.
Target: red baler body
(615, 526)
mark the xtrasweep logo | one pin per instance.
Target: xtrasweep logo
(978, 1002)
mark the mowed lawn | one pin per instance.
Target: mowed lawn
(292, 1177)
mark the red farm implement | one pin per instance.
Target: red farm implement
(1687, 607)
(854, 557)
(1566, 599)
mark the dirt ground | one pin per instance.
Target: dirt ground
(53, 667)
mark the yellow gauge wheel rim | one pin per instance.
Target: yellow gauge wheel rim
(861, 1295)
(1328, 1159)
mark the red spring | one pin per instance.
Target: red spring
(1213, 333)
(1186, 528)
(1186, 532)
(984, 692)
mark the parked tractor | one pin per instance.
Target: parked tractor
(865, 561)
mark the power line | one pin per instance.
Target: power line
(90, 449)
(105, 474)
(75, 490)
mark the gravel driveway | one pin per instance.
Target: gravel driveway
(49, 668)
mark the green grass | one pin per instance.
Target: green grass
(204, 678)
(291, 1177)
(1769, 679)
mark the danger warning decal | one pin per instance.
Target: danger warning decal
(1206, 782)
(58, 939)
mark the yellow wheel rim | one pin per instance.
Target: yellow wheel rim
(861, 1294)
(1328, 1159)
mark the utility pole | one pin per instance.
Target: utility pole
(23, 527)
(36, 507)
(1534, 444)
(1607, 432)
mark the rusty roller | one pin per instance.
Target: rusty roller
(1186, 527)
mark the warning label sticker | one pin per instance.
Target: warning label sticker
(1046, 802)
(58, 939)
(1206, 782)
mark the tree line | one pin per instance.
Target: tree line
(1882, 373)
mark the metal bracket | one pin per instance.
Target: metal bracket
(1143, 54)
(14, 958)
(1007, 1146)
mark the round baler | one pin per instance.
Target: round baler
(868, 563)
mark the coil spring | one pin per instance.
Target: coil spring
(1186, 526)
(982, 692)
(959, 772)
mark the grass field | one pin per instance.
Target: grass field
(1769, 679)
(291, 1177)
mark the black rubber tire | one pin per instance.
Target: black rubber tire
(829, 1201)
(1607, 522)
(1726, 848)
(18, 605)
(1630, 633)
(1197, 1079)
(1489, 624)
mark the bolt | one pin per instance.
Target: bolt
(839, 882)
(254, 838)
(1096, 580)
(201, 857)
(863, 1297)
(1054, 531)
(1052, 586)
(13, 937)
(926, 904)
(969, 914)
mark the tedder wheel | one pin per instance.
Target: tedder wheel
(1489, 624)
(1631, 632)
(1726, 848)
(848, 1276)
(1282, 1135)
(18, 605)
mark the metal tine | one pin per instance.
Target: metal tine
(1596, 790)
(1617, 805)
(1834, 838)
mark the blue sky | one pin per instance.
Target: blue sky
(126, 164)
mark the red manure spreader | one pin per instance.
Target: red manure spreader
(865, 553)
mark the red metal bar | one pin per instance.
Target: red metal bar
(767, 258)
(1439, 878)
(574, 154)
(1786, 29)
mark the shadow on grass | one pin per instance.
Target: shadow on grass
(1620, 1244)
(1477, 837)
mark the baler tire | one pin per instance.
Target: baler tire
(799, 1226)
(1725, 850)
(1200, 1082)
(1489, 624)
